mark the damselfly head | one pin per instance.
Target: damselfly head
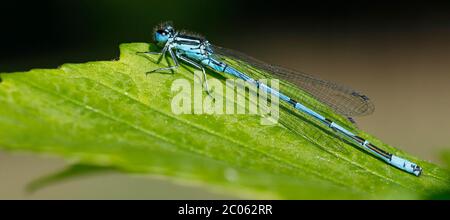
(163, 32)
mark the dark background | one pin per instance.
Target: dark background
(396, 52)
(49, 33)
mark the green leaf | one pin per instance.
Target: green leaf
(111, 114)
(70, 172)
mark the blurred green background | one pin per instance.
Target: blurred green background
(397, 53)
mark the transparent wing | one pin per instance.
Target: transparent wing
(342, 99)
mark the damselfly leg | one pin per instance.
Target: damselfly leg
(149, 52)
(205, 81)
(170, 67)
(174, 56)
(162, 53)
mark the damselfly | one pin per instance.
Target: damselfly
(198, 52)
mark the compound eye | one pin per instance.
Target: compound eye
(162, 32)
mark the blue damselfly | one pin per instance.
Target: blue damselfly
(198, 52)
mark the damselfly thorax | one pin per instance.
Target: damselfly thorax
(191, 46)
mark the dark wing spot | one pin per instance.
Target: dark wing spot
(365, 98)
(352, 120)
